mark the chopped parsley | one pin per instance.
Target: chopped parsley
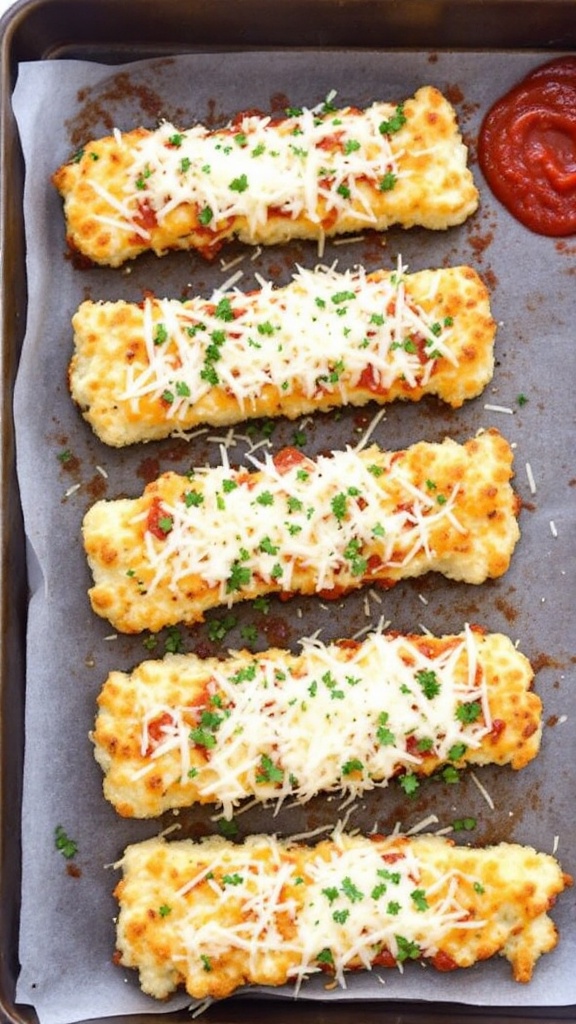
(164, 910)
(388, 182)
(239, 184)
(67, 847)
(227, 827)
(341, 916)
(407, 950)
(395, 123)
(419, 899)
(249, 634)
(468, 713)
(331, 893)
(351, 891)
(338, 506)
(218, 628)
(234, 879)
(192, 499)
(205, 216)
(464, 824)
(384, 736)
(174, 643)
(429, 682)
(240, 576)
(325, 957)
(341, 297)
(268, 771)
(409, 783)
(160, 334)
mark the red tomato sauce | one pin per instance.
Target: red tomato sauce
(527, 149)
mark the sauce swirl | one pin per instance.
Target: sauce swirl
(527, 149)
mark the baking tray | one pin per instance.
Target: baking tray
(111, 32)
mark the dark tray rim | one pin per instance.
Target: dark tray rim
(103, 30)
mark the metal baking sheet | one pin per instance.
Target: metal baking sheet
(69, 654)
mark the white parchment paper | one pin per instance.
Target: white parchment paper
(67, 929)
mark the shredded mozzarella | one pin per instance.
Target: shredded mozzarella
(327, 331)
(259, 723)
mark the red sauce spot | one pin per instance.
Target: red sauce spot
(498, 726)
(159, 521)
(527, 149)
(289, 457)
(146, 217)
(443, 962)
(384, 959)
(155, 731)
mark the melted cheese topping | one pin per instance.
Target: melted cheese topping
(214, 915)
(315, 173)
(296, 525)
(326, 340)
(185, 730)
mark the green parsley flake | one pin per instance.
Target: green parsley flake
(429, 682)
(174, 643)
(407, 950)
(341, 297)
(164, 910)
(395, 123)
(325, 957)
(67, 847)
(218, 628)
(239, 184)
(419, 899)
(468, 713)
(205, 216)
(240, 576)
(227, 827)
(464, 824)
(351, 891)
(331, 893)
(409, 783)
(341, 916)
(388, 182)
(269, 772)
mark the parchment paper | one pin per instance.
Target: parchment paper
(67, 931)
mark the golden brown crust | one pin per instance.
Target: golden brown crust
(432, 186)
(248, 711)
(131, 389)
(173, 553)
(339, 906)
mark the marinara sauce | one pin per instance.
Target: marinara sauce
(527, 149)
